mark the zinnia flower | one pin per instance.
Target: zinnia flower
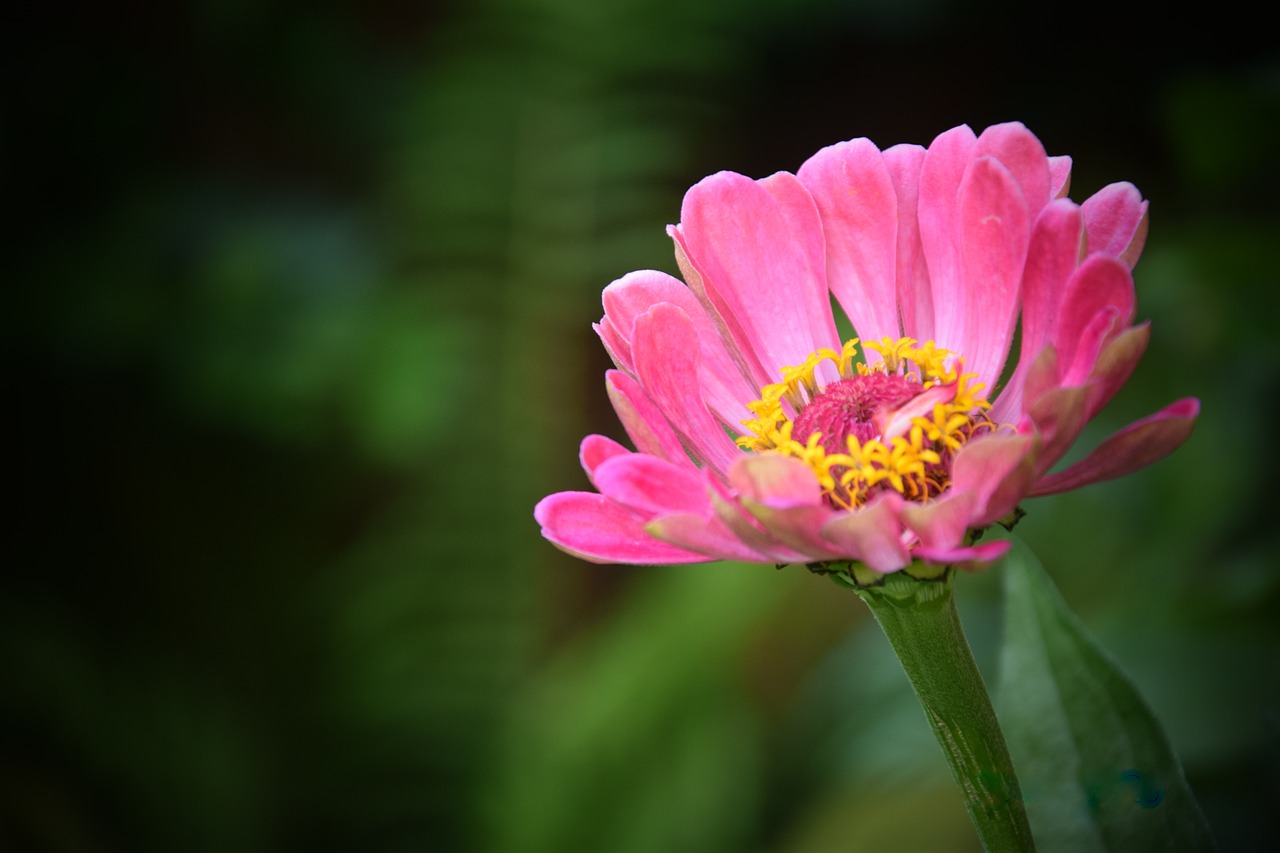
(762, 436)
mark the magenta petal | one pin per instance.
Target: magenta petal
(651, 486)
(707, 536)
(998, 470)
(647, 427)
(871, 534)
(1057, 240)
(1115, 364)
(939, 217)
(775, 480)
(724, 386)
(1136, 446)
(1018, 150)
(1059, 415)
(969, 558)
(915, 299)
(668, 358)
(941, 523)
(618, 347)
(995, 230)
(859, 209)
(798, 527)
(751, 532)
(596, 449)
(1099, 283)
(1116, 220)
(594, 528)
(1059, 176)
(757, 248)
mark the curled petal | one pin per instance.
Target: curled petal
(970, 558)
(708, 536)
(596, 449)
(647, 427)
(1116, 221)
(1136, 446)
(775, 481)
(1059, 176)
(596, 529)
(668, 357)
(871, 534)
(651, 486)
(1018, 150)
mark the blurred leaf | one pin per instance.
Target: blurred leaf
(1097, 770)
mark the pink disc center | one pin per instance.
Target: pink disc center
(850, 406)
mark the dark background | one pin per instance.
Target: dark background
(298, 333)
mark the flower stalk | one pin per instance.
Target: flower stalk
(919, 617)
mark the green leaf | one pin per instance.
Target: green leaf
(1097, 770)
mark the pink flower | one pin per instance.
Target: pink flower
(761, 436)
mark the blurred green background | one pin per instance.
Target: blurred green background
(298, 333)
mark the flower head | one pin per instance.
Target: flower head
(760, 435)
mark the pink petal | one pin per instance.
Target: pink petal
(1059, 415)
(596, 449)
(944, 165)
(941, 523)
(668, 359)
(969, 558)
(775, 480)
(757, 248)
(1059, 176)
(707, 536)
(618, 347)
(650, 486)
(915, 298)
(747, 529)
(1115, 364)
(1100, 282)
(596, 529)
(783, 494)
(1136, 446)
(859, 209)
(724, 386)
(647, 427)
(1115, 218)
(995, 231)
(1057, 241)
(871, 534)
(1018, 150)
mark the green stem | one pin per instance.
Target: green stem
(919, 618)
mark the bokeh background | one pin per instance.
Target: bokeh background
(298, 331)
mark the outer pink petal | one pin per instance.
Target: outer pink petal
(1058, 415)
(707, 536)
(1101, 282)
(969, 558)
(784, 496)
(1057, 242)
(651, 486)
(1115, 365)
(859, 209)
(1021, 153)
(748, 529)
(595, 450)
(995, 231)
(724, 386)
(988, 477)
(647, 427)
(915, 298)
(596, 529)
(944, 166)
(757, 249)
(1136, 446)
(1059, 176)
(668, 360)
(871, 534)
(1116, 220)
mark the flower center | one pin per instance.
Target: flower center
(895, 424)
(849, 406)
